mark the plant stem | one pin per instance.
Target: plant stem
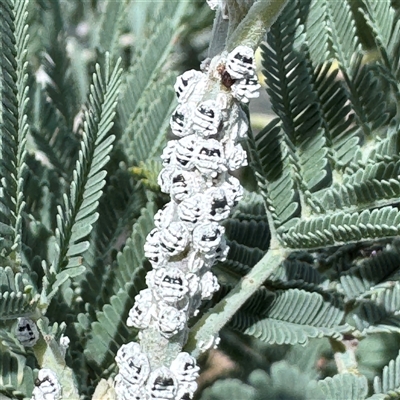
(219, 34)
(48, 355)
(216, 318)
(258, 20)
(344, 354)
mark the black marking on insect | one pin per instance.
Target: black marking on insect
(178, 117)
(218, 203)
(210, 238)
(178, 178)
(247, 60)
(210, 152)
(207, 111)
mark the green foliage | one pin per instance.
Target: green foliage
(344, 386)
(73, 215)
(260, 383)
(75, 221)
(362, 278)
(16, 378)
(289, 317)
(324, 163)
(13, 120)
(83, 124)
(388, 386)
(327, 171)
(380, 313)
(147, 97)
(17, 294)
(248, 237)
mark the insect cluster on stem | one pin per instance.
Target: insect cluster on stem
(188, 239)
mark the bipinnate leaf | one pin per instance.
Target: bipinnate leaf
(339, 228)
(271, 160)
(147, 98)
(344, 386)
(13, 120)
(233, 389)
(361, 278)
(145, 136)
(273, 386)
(149, 58)
(251, 207)
(250, 233)
(388, 385)
(109, 29)
(78, 214)
(286, 61)
(379, 313)
(16, 378)
(18, 296)
(290, 316)
(380, 15)
(297, 273)
(119, 208)
(366, 101)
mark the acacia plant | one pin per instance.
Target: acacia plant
(304, 285)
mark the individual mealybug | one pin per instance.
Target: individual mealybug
(133, 364)
(47, 386)
(26, 332)
(240, 62)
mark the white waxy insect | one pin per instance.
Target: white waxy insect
(133, 364)
(209, 285)
(171, 321)
(210, 159)
(47, 386)
(222, 251)
(236, 126)
(64, 344)
(192, 209)
(165, 216)
(186, 371)
(143, 309)
(198, 260)
(207, 237)
(26, 332)
(126, 391)
(169, 285)
(218, 208)
(184, 155)
(190, 86)
(185, 367)
(246, 89)
(194, 283)
(183, 185)
(236, 156)
(214, 4)
(207, 119)
(240, 62)
(233, 190)
(168, 152)
(153, 250)
(174, 238)
(179, 121)
(162, 384)
(205, 64)
(165, 177)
